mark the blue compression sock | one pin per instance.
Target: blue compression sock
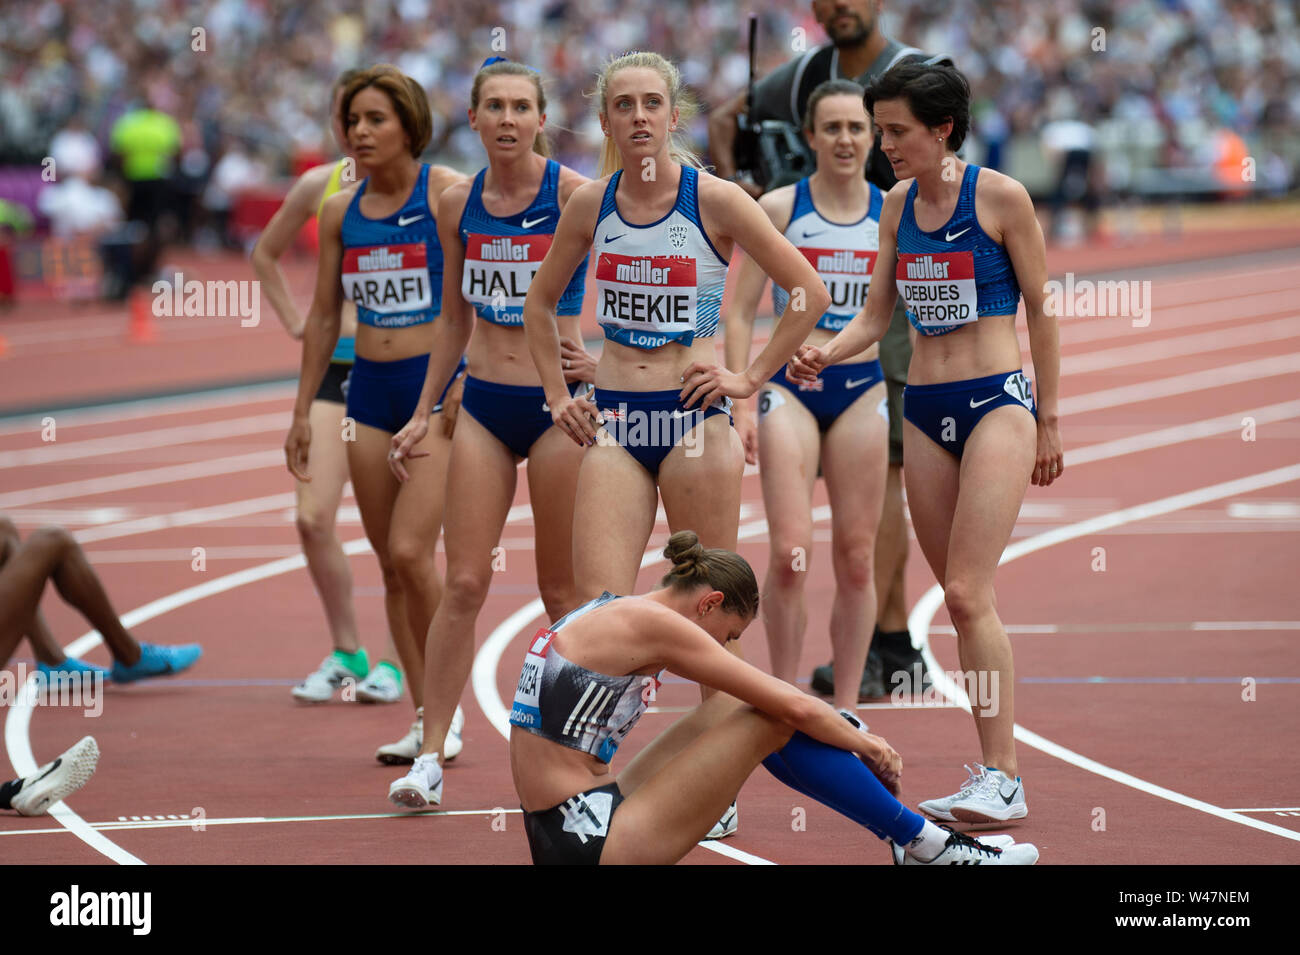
(838, 779)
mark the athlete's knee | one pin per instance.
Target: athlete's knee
(314, 527)
(855, 564)
(409, 556)
(966, 602)
(467, 588)
(558, 598)
(791, 556)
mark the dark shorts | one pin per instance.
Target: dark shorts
(836, 388)
(649, 424)
(895, 356)
(573, 833)
(383, 394)
(949, 411)
(516, 415)
(334, 386)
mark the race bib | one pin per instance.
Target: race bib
(846, 273)
(1020, 388)
(387, 279)
(646, 300)
(526, 712)
(498, 271)
(939, 289)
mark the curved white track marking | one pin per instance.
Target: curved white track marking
(918, 622)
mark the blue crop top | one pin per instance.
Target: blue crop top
(955, 274)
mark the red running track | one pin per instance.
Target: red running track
(1174, 669)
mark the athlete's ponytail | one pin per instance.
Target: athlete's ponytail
(695, 565)
(499, 66)
(679, 98)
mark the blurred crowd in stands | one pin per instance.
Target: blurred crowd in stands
(218, 97)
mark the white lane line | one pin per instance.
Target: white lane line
(1180, 346)
(1183, 432)
(154, 407)
(186, 518)
(1210, 378)
(150, 477)
(56, 451)
(199, 823)
(919, 621)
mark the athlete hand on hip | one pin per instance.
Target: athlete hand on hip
(579, 365)
(806, 364)
(707, 382)
(296, 448)
(578, 418)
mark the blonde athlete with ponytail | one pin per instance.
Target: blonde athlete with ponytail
(663, 231)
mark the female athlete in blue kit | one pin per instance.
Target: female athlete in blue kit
(495, 231)
(839, 425)
(662, 230)
(588, 678)
(382, 240)
(961, 244)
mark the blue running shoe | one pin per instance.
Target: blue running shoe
(157, 661)
(70, 665)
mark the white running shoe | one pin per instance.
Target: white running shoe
(57, 780)
(421, 787)
(408, 747)
(727, 825)
(942, 808)
(381, 686)
(996, 798)
(452, 745)
(961, 849)
(321, 684)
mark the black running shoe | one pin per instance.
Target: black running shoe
(872, 686)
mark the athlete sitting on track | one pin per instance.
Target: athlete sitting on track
(52, 553)
(961, 243)
(587, 679)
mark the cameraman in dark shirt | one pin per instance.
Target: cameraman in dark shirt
(857, 50)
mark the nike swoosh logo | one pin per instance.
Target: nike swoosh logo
(853, 384)
(949, 236)
(678, 413)
(403, 221)
(976, 404)
(809, 235)
(528, 224)
(1007, 799)
(53, 766)
(613, 238)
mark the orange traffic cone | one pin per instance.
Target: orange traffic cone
(141, 328)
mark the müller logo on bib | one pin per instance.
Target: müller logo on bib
(498, 272)
(846, 273)
(387, 278)
(938, 287)
(652, 292)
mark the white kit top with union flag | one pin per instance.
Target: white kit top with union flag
(843, 255)
(661, 282)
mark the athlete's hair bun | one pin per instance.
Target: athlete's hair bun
(713, 567)
(686, 553)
